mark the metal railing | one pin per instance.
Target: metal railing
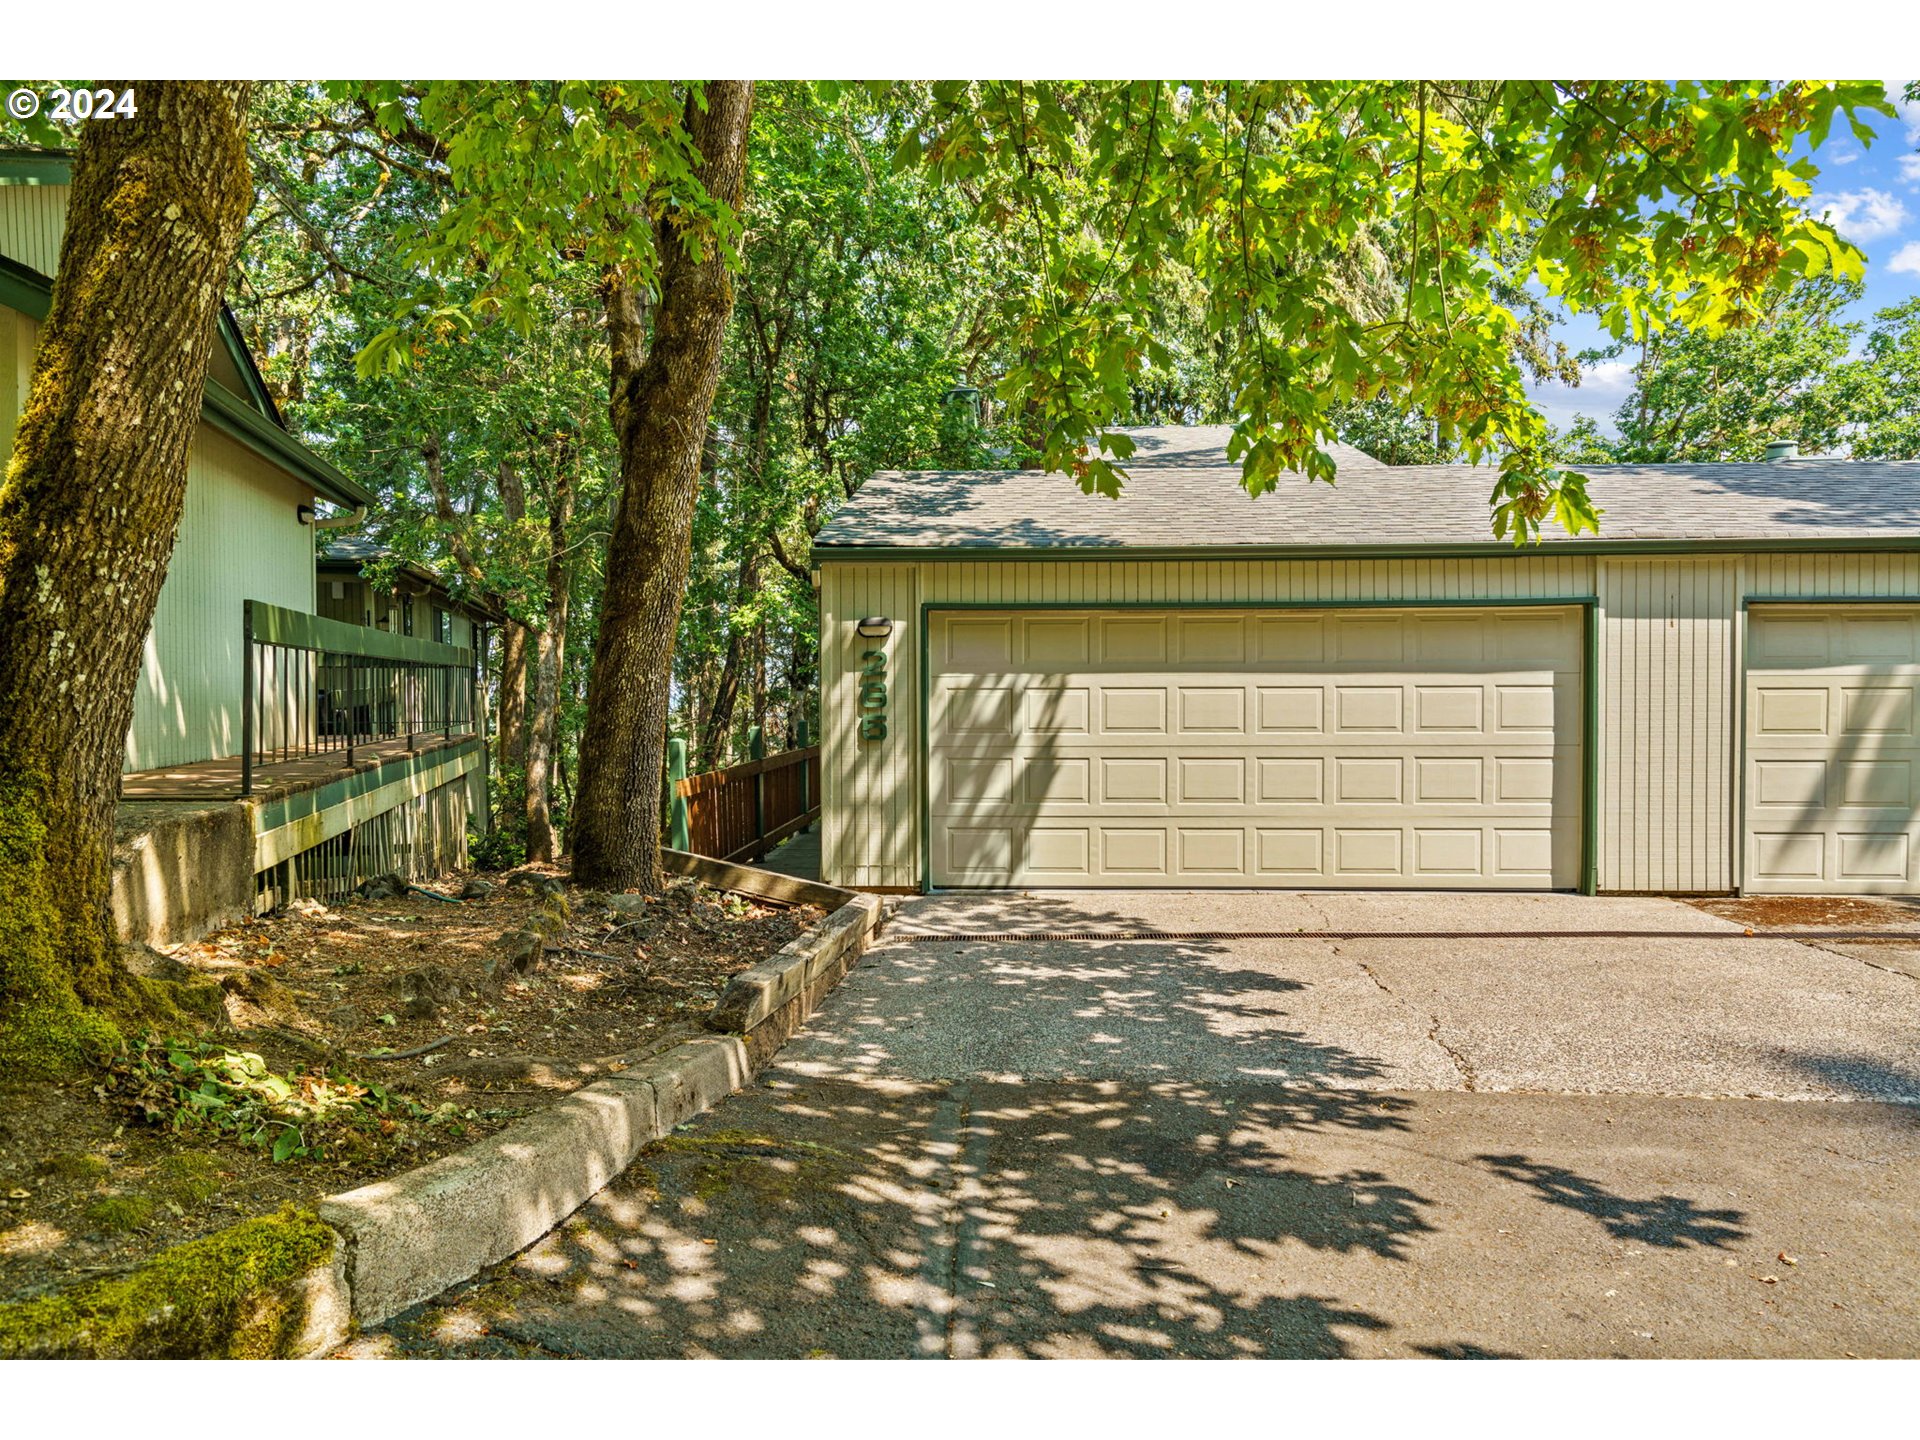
(312, 686)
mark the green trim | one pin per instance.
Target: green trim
(22, 289)
(1893, 542)
(242, 358)
(234, 417)
(1749, 600)
(1590, 748)
(277, 625)
(1589, 686)
(31, 294)
(276, 813)
(49, 169)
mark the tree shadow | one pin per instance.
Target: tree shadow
(866, 1220)
(1668, 1221)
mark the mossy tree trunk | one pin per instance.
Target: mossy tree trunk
(662, 393)
(88, 511)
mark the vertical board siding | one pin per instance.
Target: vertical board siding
(33, 219)
(871, 825)
(870, 820)
(1667, 751)
(239, 540)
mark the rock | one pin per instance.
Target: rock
(477, 889)
(628, 905)
(550, 920)
(540, 884)
(518, 954)
(427, 991)
(391, 886)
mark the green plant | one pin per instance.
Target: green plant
(234, 1094)
(498, 849)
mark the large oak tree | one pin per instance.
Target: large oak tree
(88, 510)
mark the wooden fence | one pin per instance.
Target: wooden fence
(743, 811)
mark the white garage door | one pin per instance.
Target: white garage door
(1833, 757)
(1290, 748)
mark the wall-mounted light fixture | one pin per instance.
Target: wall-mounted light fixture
(303, 513)
(874, 627)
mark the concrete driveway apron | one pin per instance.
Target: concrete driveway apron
(1388, 1125)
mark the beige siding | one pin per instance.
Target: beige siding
(871, 815)
(32, 220)
(1667, 687)
(239, 540)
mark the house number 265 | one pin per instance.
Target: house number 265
(873, 695)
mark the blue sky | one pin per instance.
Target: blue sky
(1871, 195)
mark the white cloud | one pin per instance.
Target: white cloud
(1842, 157)
(1860, 215)
(1906, 260)
(1910, 169)
(1909, 109)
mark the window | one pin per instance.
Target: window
(442, 626)
(406, 614)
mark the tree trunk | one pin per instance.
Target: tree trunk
(513, 701)
(659, 409)
(550, 643)
(713, 747)
(88, 511)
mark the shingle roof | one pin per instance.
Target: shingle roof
(1183, 493)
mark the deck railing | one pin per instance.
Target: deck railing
(743, 811)
(312, 686)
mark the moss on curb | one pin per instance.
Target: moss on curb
(229, 1295)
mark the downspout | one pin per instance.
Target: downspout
(340, 522)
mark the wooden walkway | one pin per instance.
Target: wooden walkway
(798, 857)
(220, 779)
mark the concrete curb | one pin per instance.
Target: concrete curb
(409, 1237)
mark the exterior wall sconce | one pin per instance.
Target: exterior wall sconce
(874, 627)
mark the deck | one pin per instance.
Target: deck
(215, 780)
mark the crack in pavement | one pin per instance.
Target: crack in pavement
(944, 1327)
(1469, 1078)
(1845, 955)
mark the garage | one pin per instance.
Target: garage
(1305, 747)
(1833, 756)
(1358, 686)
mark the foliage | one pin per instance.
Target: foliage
(233, 1094)
(1360, 240)
(1793, 375)
(498, 849)
(1883, 385)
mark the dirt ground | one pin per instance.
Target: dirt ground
(1834, 912)
(100, 1174)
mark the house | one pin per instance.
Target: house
(415, 601)
(312, 753)
(1357, 686)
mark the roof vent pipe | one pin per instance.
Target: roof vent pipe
(1778, 450)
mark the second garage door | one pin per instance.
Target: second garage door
(1431, 748)
(1833, 749)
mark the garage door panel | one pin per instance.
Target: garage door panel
(1876, 710)
(1305, 748)
(1832, 752)
(1133, 640)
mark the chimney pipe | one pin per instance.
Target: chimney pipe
(1778, 450)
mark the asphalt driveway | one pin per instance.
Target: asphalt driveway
(1677, 1140)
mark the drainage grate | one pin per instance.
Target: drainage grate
(963, 937)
